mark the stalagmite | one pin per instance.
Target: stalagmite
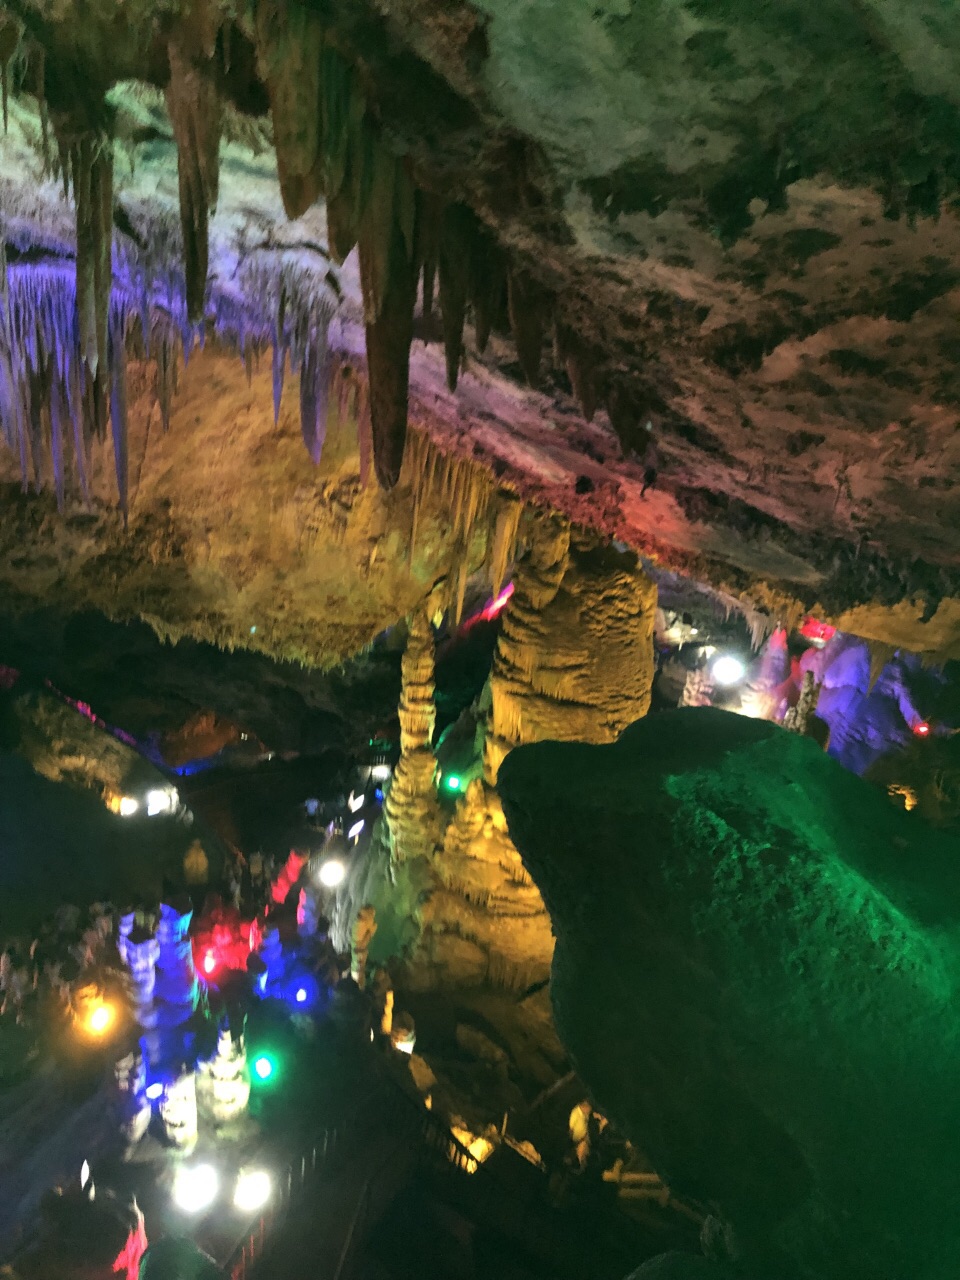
(177, 989)
(193, 105)
(361, 935)
(797, 719)
(223, 1084)
(411, 808)
(574, 661)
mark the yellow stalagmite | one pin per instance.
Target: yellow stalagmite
(411, 808)
(574, 661)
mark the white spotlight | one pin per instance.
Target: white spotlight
(159, 801)
(332, 873)
(356, 802)
(252, 1190)
(195, 1187)
(128, 806)
(355, 830)
(380, 772)
(728, 670)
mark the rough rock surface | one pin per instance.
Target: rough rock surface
(757, 972)
(574, 661)
(735, 223)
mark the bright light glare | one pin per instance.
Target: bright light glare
(355, 830)
(380, 772)
(195, 1187)
(159, 801)
(452, 782)
(728, 670)
(355, 802)
(921, 729)
(301, 995)
(128, 806)
(99, 1019)
(154, 1091)
(332, 872)
(252, 1190)
(209, 962)
(263, 1067)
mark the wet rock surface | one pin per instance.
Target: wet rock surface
(756, 971)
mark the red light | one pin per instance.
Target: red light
(921, 729)
(814, 629)
(209, 962)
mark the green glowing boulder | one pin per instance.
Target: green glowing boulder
(757, 972)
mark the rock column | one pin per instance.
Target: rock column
(411, 808)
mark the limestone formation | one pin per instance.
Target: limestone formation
(223, 1084)
(411, 809)
(574, 661)
(757, 976)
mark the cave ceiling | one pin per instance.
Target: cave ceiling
(730, 229)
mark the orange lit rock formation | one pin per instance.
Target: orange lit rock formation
(574, 662)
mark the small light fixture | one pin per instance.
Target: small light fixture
(380, 772)
(263, 1067)
(160, 800)
(301, 996)
(154, 1091)
(922, 729)
(355, 803)
(355, 830)
(728, 670)
(209, 962)
(452, 782)
(100, 1019)
(195, 1187)
(331, 873)
(252, 1191)
(128, 806)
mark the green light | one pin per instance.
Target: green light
(452, 782)
(263, 1067)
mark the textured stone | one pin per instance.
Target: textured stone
(757, 974)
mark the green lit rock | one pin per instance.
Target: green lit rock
(757, 972)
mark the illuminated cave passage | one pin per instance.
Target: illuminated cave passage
(479, 640)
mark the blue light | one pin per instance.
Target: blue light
(379, 794)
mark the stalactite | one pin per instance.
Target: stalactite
(193, 105)
(389, 278)
(457, 236)
(118, 405)
(487, 286)
(504, 540)
(579, 366)
(289, 40)
(526, 306)
(40, 335)
(10, 32)
(91, 167)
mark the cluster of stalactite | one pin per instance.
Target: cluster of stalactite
(65, 337)
(330, 142)
(464, 497)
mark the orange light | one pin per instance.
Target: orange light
(100, 1019)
